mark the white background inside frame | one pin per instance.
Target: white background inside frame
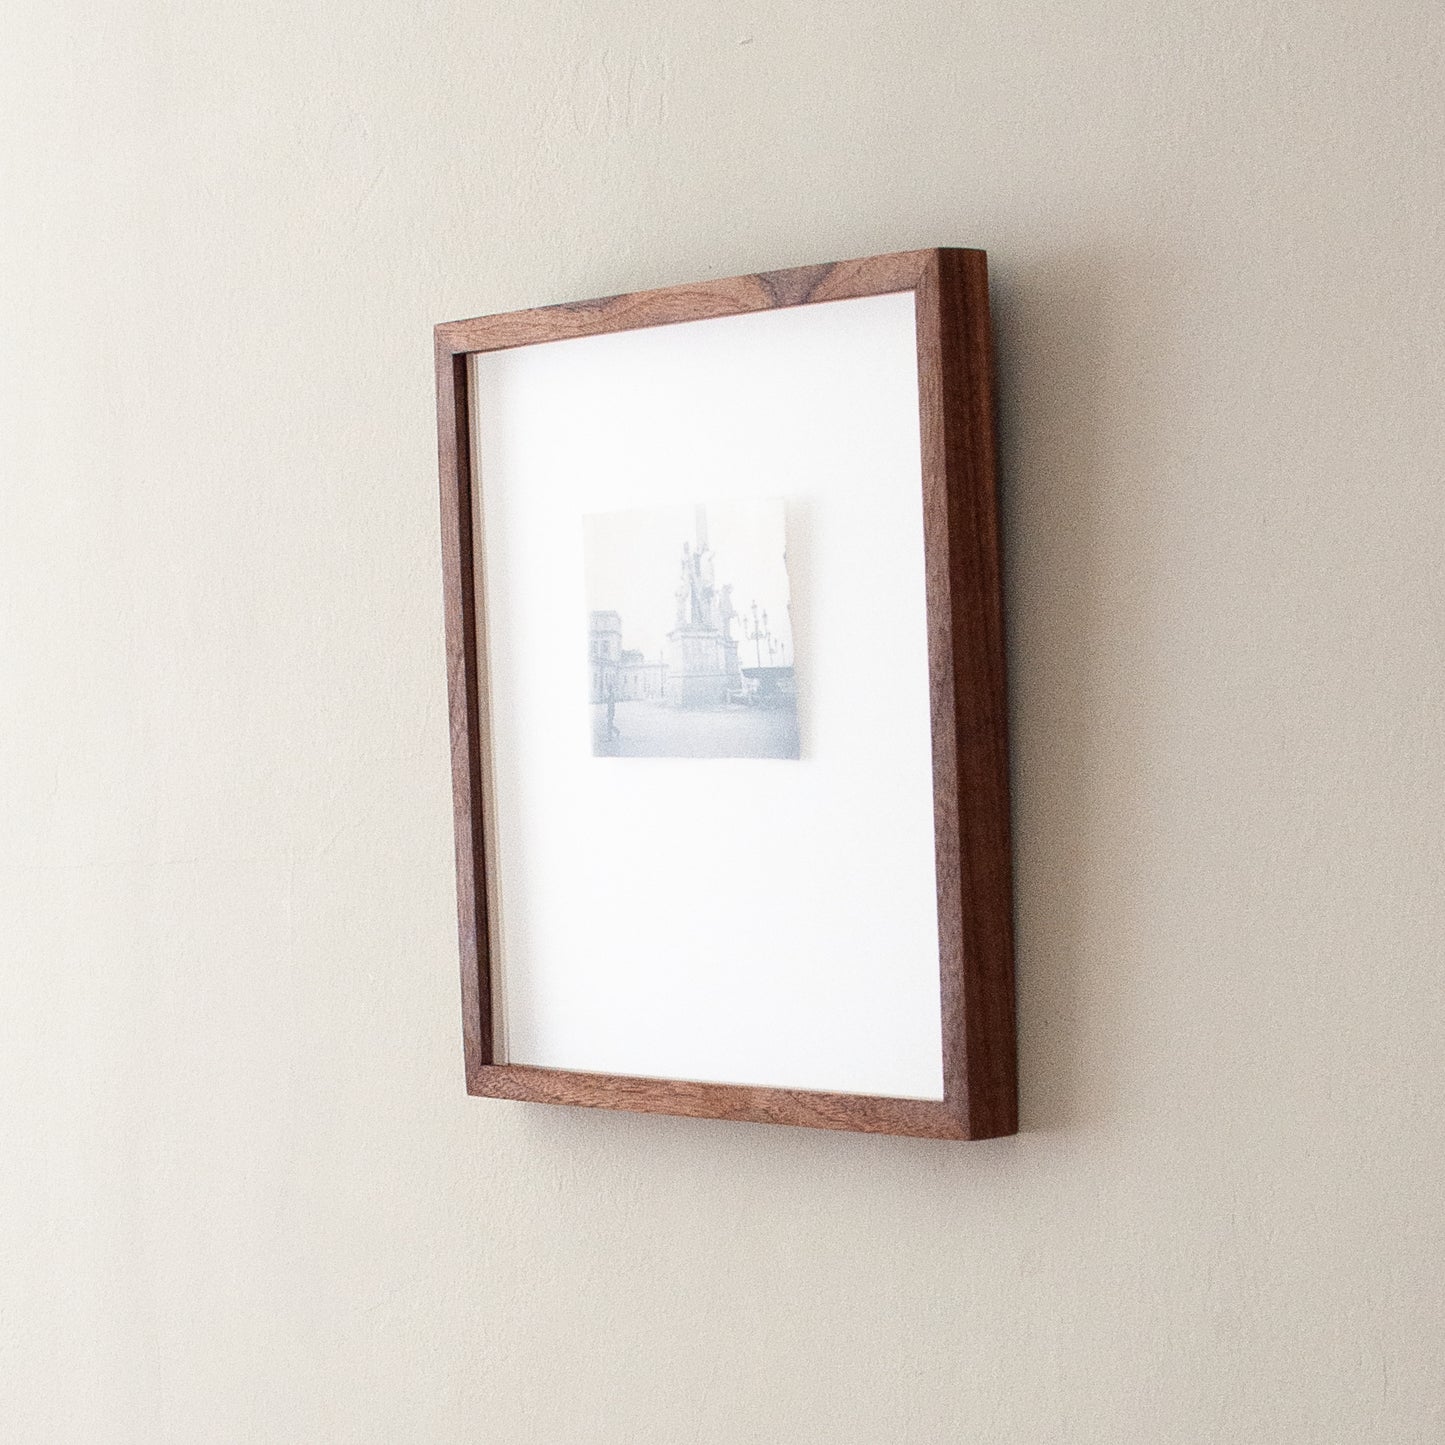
(746, 921)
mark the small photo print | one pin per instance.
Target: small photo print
(690, 637)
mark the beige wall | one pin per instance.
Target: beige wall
(242, 1195)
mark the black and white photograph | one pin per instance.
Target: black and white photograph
(690, 639)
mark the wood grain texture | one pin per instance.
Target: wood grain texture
(873, 276)
(969, 697)
(967, 693)
(459, 605)
(923, 1118)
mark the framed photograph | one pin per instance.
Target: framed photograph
(729, 737)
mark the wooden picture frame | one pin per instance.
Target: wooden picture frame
(965, 684)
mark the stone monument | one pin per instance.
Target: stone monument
(702, 657)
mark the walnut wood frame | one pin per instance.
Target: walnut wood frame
(966, 693)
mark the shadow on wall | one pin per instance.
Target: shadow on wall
(1070, 372)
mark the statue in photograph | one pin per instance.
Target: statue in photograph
(694, 591)
(682, 593)
(726, 612)
(707, 610)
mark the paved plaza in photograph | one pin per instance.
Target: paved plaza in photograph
(654, 730)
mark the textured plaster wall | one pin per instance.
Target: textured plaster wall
(242, 1195)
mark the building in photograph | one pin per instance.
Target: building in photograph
(604, 650)
(620, 674)
(639, 680)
